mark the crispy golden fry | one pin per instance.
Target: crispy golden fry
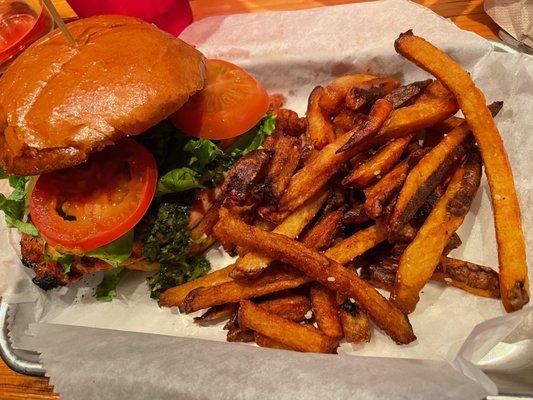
(251, 264)
(216, 313)
(379, 195)
(357, 244)
(284, 162)
(175, 297)
(355, 324)
(201, 237)
(275, 102)
(424, 112)
(427, 174)
(379, 113)
(379, 164)
(404, 94)
(422, 256)
(299, 337)
(293, 307)
(335, 93)
(326, 311)
(370, 91)
(319, 126)
(272, 280)
(321, 235)
(320, 268)
(264, 341)
(514, 285)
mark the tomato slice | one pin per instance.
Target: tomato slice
(230, 104)
(87, 206)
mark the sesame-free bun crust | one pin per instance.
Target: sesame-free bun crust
(60, 103)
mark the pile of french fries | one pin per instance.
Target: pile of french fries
(364, 193)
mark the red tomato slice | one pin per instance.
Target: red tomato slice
(84, 207)
(230, 104)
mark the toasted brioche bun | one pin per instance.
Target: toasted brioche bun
(60, 103)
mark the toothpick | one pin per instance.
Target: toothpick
(59, 22)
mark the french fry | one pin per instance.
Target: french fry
(427, 174)
(381, 193)
(216, 313)
(370, 91)
(355, 324)
(404, 94)
(335, 93)
(203, 200)
(347, 120)
(514, 284)
(326, 311)
(252, 263)
(299, 337)
(272, 280)
(319, 126)
(356, 216)
(175, 297)
(201, 237)
(472, 278)
(355, 245)
(424, 112)
(422, 256)
(379, 113)
(321, 235)
(264, 341)
(320, 268)
(293, 307)
(381, 163)
(284, 162)
(453, 122)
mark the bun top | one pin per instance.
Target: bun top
(59, 103)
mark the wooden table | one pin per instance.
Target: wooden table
(468, 15)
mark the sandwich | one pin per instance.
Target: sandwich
(109, 145)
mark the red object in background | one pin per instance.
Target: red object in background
(20, 25)
(172, 16)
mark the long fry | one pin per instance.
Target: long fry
(422, 256)
(175, 297)
(357, 244)
(299, 337)
(514, 284)
(320, 268)
(319, 237)
(251, 264)
(272, 280)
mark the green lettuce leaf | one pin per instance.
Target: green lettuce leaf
(116, 252)
(14, 206)
(178, 180)
(254, 138)
(107, 289)
(203, 152)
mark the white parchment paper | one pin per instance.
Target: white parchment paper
(291, 52)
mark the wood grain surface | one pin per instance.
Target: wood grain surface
(468, 15)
